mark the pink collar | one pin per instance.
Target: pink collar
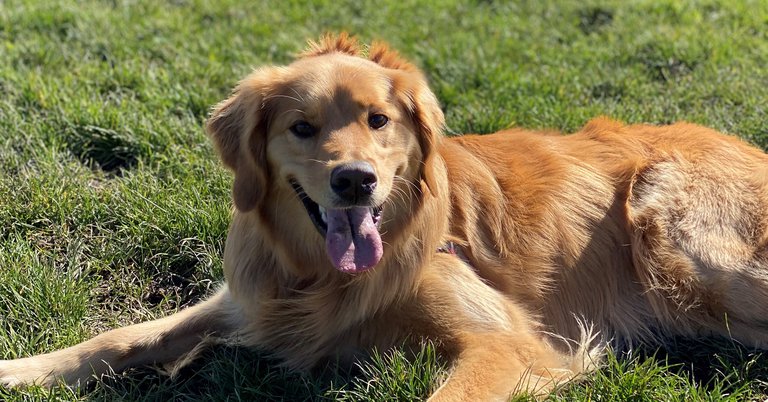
(454, 249)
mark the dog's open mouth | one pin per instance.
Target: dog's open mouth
(352, 238)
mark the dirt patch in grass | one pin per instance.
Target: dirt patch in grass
(668, 60)
(104, 148)
(594, 19)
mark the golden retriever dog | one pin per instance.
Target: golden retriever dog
(358, 225)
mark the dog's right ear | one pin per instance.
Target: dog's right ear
(237, 127)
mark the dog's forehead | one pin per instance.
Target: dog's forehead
(327, 76)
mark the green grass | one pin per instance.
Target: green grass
(114, 209)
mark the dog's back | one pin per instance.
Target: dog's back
(641, 230)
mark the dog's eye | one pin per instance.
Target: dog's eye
(302, 129)
(377, 121)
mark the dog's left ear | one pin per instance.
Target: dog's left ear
(430, 121)
(412, 89)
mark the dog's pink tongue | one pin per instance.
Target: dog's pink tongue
(352, 242)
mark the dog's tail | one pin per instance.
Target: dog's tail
(582, 356)
(161, 341)
(588, 353)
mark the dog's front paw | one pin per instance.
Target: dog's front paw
(7, 379)
(16, 373)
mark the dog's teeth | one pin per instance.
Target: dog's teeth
(322, 215)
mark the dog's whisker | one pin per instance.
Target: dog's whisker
(297, 94)
(322, 162)
(289, 111)
(283, 96)
(411, 186)
(405, 192)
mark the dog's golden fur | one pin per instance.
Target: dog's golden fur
(615, 233)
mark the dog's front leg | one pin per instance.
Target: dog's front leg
(160, 341)
(496, 350)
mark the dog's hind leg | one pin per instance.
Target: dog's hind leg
(495, 346)
(700, 243)
(160, 341)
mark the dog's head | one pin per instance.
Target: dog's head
(344, 132)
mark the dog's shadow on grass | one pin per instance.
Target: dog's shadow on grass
(219, 373)
(236, 373)
(683, 369)
(714, 362)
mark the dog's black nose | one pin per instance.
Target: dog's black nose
(353, 182)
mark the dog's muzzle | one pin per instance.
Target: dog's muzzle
(352, 239)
